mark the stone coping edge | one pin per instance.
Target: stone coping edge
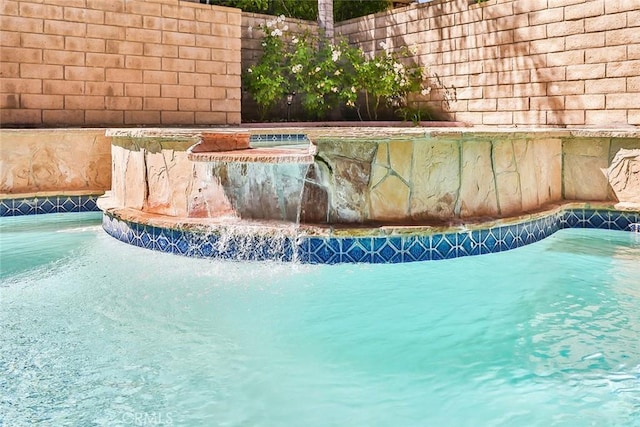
(379, 132)
(287, 243)
(370, 129)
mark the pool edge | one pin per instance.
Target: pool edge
(422, 244)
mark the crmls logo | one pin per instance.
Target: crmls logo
(147, 418)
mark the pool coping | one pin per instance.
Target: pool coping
(314, 133)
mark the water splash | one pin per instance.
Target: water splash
(246, 242)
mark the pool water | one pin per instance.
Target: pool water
(97, 332)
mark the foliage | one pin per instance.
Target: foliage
(328, 75)
(321, 74)
(267, 80)
(348, 9)
(342, 9)
(414, 114)
(248, 5)
(385, 78)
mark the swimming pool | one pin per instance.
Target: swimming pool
(97, 332)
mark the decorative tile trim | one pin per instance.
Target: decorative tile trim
(242, 247)
(268, 139)
(391, 249)
(49, 204)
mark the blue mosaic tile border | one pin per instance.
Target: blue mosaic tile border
(45, 205)
(194, 244)
(392, 249)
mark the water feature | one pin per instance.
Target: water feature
(251, 190)
(94, 332)
(372, 195)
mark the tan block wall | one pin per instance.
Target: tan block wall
(118, 62)
(520, 62)
(54, 160)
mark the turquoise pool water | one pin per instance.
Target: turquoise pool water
(97, 332)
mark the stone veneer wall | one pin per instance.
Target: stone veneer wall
(404, 176)
(451, 175)
(115, 62)
(441, 176)
(602, 168)
(59, 161)
(520, 62)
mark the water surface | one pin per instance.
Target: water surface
(97, 332)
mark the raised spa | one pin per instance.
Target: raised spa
(366, 195)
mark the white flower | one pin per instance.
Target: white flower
(263, 44)
(353, 89)
(296, 68)
(276, 33)
(350, 103)
(337, 73)
(335, 55)
(270, 24)
(280, 18)
(413, 49)
(317, 69)
(285, 28)
(334, 89)
(294, 40)
(249, 70)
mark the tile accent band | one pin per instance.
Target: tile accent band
(391, 249)
(48, 204)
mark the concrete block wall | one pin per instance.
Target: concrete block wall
(520, 62)
(118, 62)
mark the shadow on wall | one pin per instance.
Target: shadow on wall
(483, 66)
(429, 28)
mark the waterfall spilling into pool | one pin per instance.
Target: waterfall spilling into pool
(372, 195)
